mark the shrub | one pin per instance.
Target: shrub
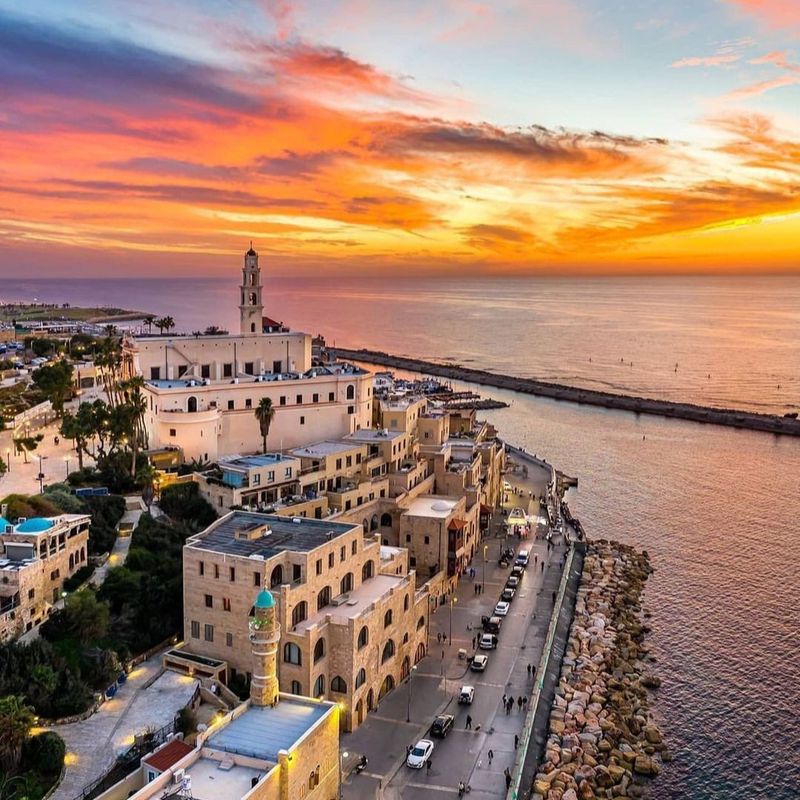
(37, 505)
(67, 503)
(106, 513)
(182, 502)
(44, 753)
(79, 578)
(187, 721)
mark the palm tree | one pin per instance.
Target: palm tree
(169, 323)
(265, 413)
(149, 320)
(137, 402)
(16, 721)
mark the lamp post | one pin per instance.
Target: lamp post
(342, 757)
(8, 459)
(483, 582)
(66, 463)
(40, 477)
(453, 601)
(408, 704)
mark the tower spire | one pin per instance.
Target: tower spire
(265, 633)
(251, 308)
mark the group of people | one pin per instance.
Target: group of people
(508, 703)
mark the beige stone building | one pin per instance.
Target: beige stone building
(36, 556)
(202, 391)
(277, 746)
(353, 620)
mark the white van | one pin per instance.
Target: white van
(523, 557)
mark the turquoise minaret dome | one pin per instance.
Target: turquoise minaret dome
(265, 599)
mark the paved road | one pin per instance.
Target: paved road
(463, 755)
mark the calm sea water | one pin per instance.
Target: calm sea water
(717, 509)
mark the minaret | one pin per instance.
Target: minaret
(250, 308)
(265, 633)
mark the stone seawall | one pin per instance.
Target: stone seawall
(769, 423)
(602, 741)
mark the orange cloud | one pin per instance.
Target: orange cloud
(776, 13)
(762, 87)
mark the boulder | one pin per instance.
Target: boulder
(652, 734)
(644, 765)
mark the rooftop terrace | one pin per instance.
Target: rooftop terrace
(432, 505)
(248, 462)
(285, 534)
(322, 449)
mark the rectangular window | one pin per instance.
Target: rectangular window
(216, 571)
(342, 553)
(331, 397)
(276, 366)
(229, 639)
(271, 476)
(248, 403)
(173, 432)
(195, 629)
(297, 573)
(354, 546)
(182, 370)
(205, 370)
(209, 601)
(349, 461)
(338, 463)
(282, 400)
(315, 397)
(230, 405)
(233, 573)
(299, 399)
(227, 370)
(256, 579)
(287, 473)
(427, 540)
(155, 373)
(248, 367)
(319, 566)
(347, 505)
(302, 420)
(408, 537)
(201, 568)
(256, 479)
(358, 458)
(331, 559)
(226, 604)
(351, 409)
(208, 633)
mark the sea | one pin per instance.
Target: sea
(717, 509)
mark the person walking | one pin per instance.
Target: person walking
(461, 788)
(505, 698)
(516, 741)
(473, 642)
(428, 765)
(491, 756)
(469, 723)
(508, 779)
(444, 638)
(525, 703)
(519, 703)
(439, 637)
(529, 671)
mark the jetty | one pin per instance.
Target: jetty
(787, 425)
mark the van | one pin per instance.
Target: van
(523, 557)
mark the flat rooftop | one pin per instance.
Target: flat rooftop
(261, 731)
(286, 534)
(322, 449)
(361, 598)
(210, 782)
(374, 435)
(436, 506)
(266, 460)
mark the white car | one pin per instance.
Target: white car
(479, 663)
(466, 695)
(419, 754)
(516, 514)
(501, 609)
(488, 641)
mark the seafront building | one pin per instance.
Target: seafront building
(273, 747)
(36, 556)
(353, 620)
(202, 390)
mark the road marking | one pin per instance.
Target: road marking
(433, 787)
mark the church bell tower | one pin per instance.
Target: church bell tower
(250, 307)
(265, 633)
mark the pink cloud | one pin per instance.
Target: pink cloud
(719, 60)
(776, 13)
(755, 89)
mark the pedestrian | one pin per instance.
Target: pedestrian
(444, 638)
(508, 779)
(439, 637)
(516, 741)
(491, 756)
(519, 703)
(533, 672)
(505, 698)
(542, 565)
(473, 642)
(461, 788)
(525, 703)
(554, 597)
(529, 671)
(428, 765)
(469, 722)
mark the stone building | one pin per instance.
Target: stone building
(202, 391)
(353, 620)
(36, 556)
(276, 746)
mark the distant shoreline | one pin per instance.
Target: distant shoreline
(733, 418)
(56, 312)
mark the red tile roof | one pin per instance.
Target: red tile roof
(457, 524)
(168, 755)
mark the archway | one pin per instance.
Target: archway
(191, 404)
(386, 687)
(405, 669)
(276, 579)
(370, 700)
(420, 654)
(373, 523)
(360, 711)
(386, 520)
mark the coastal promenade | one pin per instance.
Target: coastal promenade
(768, 423)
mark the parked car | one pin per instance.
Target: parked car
(517, 570)
(491, 624)
(502, 608)
(479, 663)
(442, 725)
(419, 754)
(488, 641)
(523, 557)
(466, 695)
(508, 594)
(512, 582)
(516, 514)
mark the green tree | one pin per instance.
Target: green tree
(16, 721)
(265, 413)
(27, 444)
(85, 617)
(55, 382)
(149, 320)
(164, 324)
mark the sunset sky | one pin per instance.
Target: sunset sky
(383, 136)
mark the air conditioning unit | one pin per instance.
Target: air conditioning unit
(340, 600)
(178, 775)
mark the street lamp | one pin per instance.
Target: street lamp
(342, 757)
(485, 551)
(8, 459)
(40, 477)
(66, 461)
(453, 601)
(408, 705)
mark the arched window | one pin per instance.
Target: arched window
(296, 688)
(421, 622)
(366, 571)
(388, 651)
(405, 603)
(323, 598)
(351, 392)
(373, 523)
(319, 650)
(363, 637)
(299, 613)
(291, 654)
(361, 678)
(319, 687)
(191, 404)
(405, 638)
(338, 685)
(365, 525)
(386, 520)
(347, 583)
(253, 298)
(387, 618)
(276, 579)
(71, 561)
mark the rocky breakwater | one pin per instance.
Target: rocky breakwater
(602, 741)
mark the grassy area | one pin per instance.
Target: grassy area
(35, 312)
